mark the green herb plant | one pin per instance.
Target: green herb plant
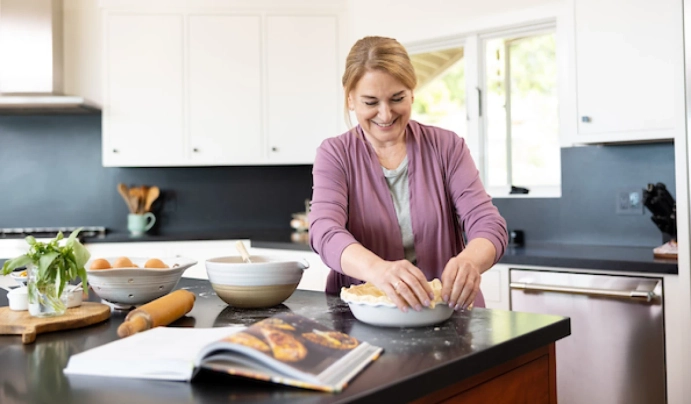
(56, 265)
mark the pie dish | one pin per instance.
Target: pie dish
(371, 305)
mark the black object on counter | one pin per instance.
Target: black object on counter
(518, 190)
(516, 238)
(663, 207)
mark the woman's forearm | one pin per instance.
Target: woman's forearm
(357, 262)
(480, 252)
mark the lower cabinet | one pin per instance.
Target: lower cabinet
(495, 287)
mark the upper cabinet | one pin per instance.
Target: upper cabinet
(224, 97)
(143, 93)
(219, 87)
(303, 86)
(627, 70)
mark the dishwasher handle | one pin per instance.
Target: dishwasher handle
(635, 294)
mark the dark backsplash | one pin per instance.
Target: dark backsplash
(586, 211)
(51, 175)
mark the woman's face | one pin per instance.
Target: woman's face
(382, 105)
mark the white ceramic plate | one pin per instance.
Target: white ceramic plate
(391, 316)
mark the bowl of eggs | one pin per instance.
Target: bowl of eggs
(130, 281)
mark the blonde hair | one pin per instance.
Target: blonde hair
(376, 53)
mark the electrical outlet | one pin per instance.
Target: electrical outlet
(629, 202)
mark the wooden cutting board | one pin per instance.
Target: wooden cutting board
(21, 322)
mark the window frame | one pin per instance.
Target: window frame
(474, 45)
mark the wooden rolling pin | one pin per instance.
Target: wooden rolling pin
(161, 311)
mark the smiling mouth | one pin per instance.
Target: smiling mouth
(385, 125)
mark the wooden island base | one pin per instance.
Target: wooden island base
(530, 378)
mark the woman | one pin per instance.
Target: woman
(392, 196)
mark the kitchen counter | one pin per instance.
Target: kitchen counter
(612, 258)
(415, 363)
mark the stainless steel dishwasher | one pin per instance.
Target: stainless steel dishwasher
(616, 350)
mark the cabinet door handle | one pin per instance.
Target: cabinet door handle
(274, 149)
(115, 150)
(479, 101)
(195, 150)
(586, 119)
(636, 294)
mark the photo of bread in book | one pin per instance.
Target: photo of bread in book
(331, 339)
(286, 348)
(277, 323)
(291, 339)
(248, 340)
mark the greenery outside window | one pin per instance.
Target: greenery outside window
(499, 91)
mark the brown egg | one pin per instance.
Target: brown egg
(100, 263)
(123, 262)
(155, 263)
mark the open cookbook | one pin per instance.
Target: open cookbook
(286, 348)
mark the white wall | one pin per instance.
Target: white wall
(415, 20)
(82, 49)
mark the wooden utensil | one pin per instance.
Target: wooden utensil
(21, 322)
(151, 196)
(125, 193)
(161, 311)
(241, 249)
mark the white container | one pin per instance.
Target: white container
(262, 271)
(390, 316)
(265, 282)
(74, 296)
(19, 299)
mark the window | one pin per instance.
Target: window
(440, 94)
(499, 92)
(521, 126)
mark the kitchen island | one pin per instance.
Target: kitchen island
(500, 356)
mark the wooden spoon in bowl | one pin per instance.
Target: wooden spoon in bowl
(241, 249)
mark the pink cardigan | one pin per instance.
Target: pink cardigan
(351, 202)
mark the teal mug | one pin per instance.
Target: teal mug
(138, 224)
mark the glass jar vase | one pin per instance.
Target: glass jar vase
(44, 300)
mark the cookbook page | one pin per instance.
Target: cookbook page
(291, 344)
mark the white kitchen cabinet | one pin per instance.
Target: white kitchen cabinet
(628, 64)
(143, 90)
(495, 287)
(224, 96)
(302, 86)
(314, 278)
(194, 86)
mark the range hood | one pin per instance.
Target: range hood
(31, 60)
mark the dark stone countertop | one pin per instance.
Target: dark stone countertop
(416, 361)
(580, 256)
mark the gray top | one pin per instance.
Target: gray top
(398, 185)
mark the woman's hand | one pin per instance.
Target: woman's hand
(460, 283)
(403, 283)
